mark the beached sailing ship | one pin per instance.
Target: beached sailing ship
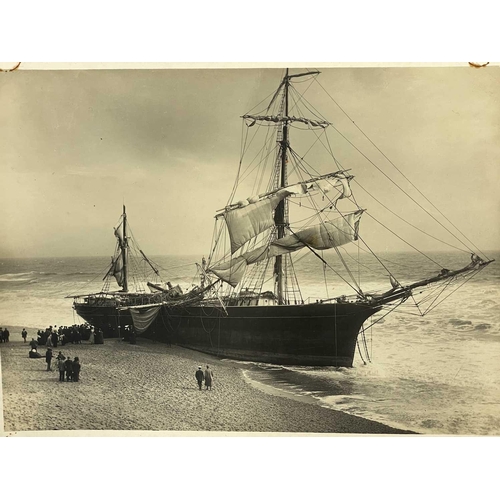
(249, 304)
(140, 281)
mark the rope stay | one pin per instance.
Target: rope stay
(273, 117)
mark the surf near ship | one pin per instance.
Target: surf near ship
(250, 305)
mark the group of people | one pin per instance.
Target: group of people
(4, 335)
(74, 334)
(65, 366)
(207, 376)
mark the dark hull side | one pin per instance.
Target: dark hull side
(311, 334)
(107, 318)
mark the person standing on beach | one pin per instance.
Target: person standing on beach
(48, 358)
(209, 375)
(54, 337)
(34, 344)
(68, 368)
(60, 365)
(24, 334)
(199, 376)
(76, 370)
(49, 341)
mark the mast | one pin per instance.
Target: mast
(279, 214)
(124, 251)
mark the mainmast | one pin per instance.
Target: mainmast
(124, 251)
(281, 214)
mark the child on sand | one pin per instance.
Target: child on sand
(34, 353)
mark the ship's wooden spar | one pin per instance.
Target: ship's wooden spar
(193, 296)
(396, 293)
(405, 291)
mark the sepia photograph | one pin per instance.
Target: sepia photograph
(280, 249)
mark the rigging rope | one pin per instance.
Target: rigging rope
(402, 239)
(405, 177)
(452, 292)
(409, 223)
(399, 187)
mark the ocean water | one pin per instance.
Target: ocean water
(436, 374)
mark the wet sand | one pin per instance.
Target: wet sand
(150, 386)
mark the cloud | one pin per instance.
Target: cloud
(75, 145)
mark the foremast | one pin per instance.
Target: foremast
(124, 246)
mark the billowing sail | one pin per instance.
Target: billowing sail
(251, 217)
(118, 270)
(247, 222)
(119, 236)
(328, 234)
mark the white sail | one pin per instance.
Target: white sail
(119, 235)
(251, 217)
(247, 222)
(328, 234)
(118, 270)
(143, 318)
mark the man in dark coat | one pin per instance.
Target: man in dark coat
(68, 366)
(48, 359)
(60, 365)
(54, 338)
(33, 344)
(199, 376)
(76, 370)
(24, 334)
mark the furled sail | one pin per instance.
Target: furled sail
(285, 119)
(250, 217)
(328, 234)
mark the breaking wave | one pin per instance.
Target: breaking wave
(460, 322)
(11, 277)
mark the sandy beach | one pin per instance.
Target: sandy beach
(150, 386)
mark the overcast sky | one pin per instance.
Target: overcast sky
(75, 145)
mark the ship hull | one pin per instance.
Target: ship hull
(107, 318)
(310, 334)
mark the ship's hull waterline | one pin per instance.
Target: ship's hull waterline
(311, 334)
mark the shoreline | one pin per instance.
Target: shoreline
(150, 387)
